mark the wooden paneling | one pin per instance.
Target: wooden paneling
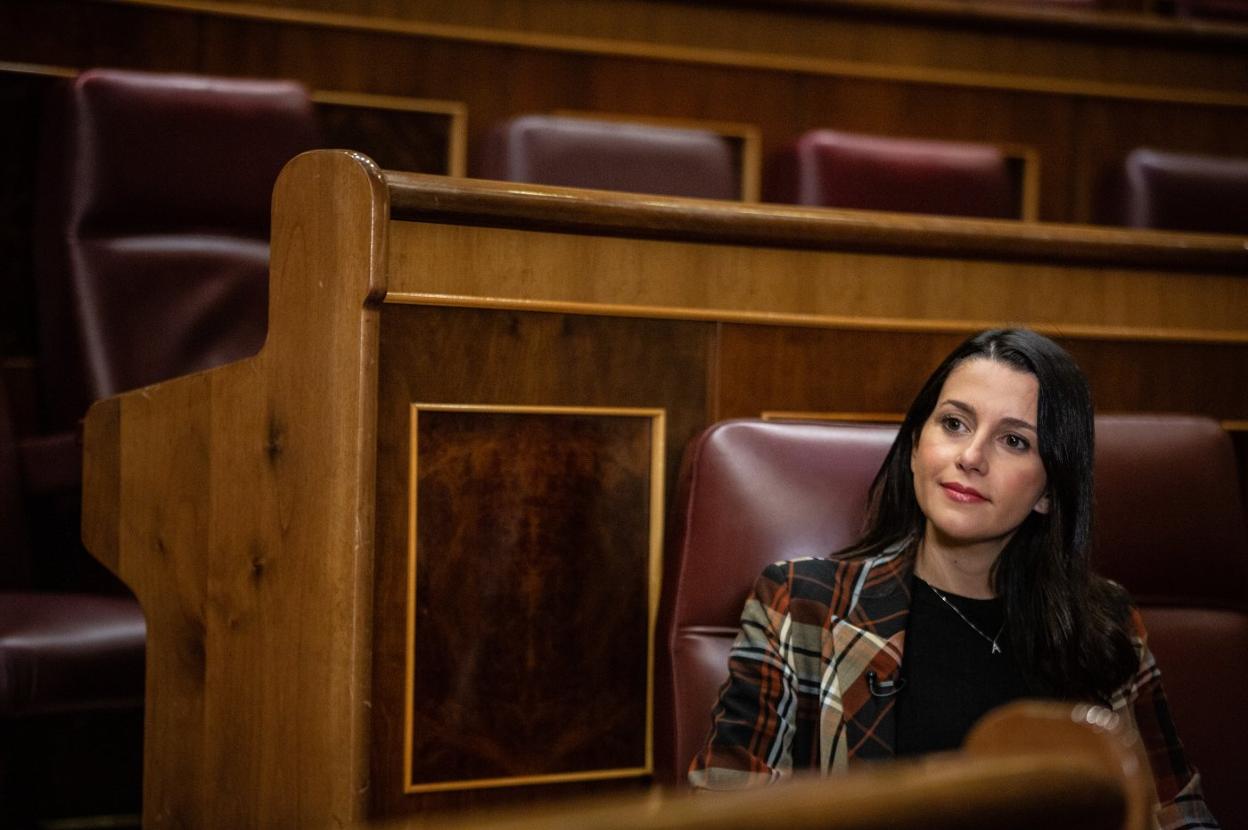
(260, 511)
(452, 356)
(1025, 47)
(1081, 90)
(760, 282)
(534, 533)
(238, 505)
(768, 369)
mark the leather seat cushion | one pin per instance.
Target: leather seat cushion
(62, 652)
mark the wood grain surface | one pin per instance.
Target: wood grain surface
(1078, 89)
(1033, 765)
(531, 572)
(238, 505)
(482, 358)
(260, 510)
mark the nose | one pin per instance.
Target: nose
(973, 457)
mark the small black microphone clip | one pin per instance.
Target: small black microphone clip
(884, 688)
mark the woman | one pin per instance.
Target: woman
(975, 564)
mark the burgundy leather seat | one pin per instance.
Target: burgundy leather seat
(1183, 192)
(751, 493)
(152, 262)
(58, 652)
(1171, 528)
(611, 155)
(831, 168)
(154, 250)
(71, 679)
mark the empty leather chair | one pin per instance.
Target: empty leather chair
(831, 168)
(1171, 528)
(1185, 192)
(611, 155)
(71, 681)
(152, 261)
(154, 227)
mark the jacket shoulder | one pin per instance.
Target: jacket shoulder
(832, 584)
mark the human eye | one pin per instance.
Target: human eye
(1016, 442)
(952, 423)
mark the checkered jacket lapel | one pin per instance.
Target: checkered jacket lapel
(868, 636)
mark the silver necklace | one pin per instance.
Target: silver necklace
(996, 649)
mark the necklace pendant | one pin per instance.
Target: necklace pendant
(996, 649)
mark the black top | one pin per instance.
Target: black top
(952, 677)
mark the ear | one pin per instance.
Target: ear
(1042, 506)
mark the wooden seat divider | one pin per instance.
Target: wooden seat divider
(408, 556)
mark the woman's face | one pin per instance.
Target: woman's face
(977, 470)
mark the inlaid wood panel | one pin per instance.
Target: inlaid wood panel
(535, 533)
(481, 358)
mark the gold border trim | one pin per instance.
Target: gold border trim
(1076, 331)
(658, 442)
(42, 70)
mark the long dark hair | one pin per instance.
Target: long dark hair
(1068, 627)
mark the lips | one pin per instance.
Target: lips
(961, 493)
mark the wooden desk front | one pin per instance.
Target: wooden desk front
(480, 392)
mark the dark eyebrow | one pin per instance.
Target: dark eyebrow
(1017, 423)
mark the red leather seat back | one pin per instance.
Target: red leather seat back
(751, 493)
(837, 169)
(1183, 192)
(611, 155)
(153, 255)
(1171, 528)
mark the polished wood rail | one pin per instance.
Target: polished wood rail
(1027, 765)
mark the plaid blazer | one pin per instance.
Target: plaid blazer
(817, 633)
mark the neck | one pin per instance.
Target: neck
(963, 570)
